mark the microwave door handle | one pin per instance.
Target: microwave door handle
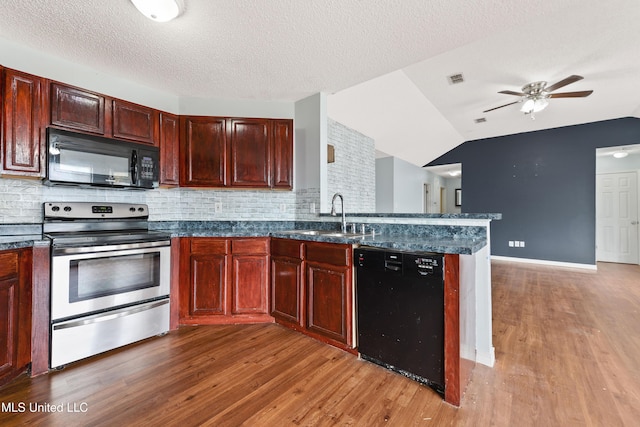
(134, 166)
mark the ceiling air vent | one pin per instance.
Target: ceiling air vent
(480, 120)
(455, 78)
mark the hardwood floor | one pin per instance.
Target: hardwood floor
(567, 344)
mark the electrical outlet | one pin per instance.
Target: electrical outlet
(283, 207)
(312, 207)
(217, 207)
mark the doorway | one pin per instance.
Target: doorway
(617, 205)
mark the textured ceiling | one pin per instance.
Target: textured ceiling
(386, 61)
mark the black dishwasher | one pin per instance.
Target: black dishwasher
(400, 306)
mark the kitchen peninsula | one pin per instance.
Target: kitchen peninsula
(463, 238)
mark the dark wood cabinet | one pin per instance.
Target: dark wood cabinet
(282, 148)
(207, 272)
(329, 290)
(250, 153)
(78, 109)
(250, 276)
(135, 122)
(312, 289)
(287, 281)
(169, 149)
(86, 111)
(15, 313)
(224, 280)
(24, 102)
(236, 152)
(203, 151)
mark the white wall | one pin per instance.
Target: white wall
(384, 184)
(353, 173)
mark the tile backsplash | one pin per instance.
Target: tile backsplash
(22, 199)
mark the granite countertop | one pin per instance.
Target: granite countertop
(441, 239)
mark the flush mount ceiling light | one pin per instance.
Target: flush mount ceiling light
(620, 154)
(158, 10)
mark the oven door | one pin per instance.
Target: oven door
(87, 280)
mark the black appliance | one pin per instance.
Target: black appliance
(400, 306)
(88, 160)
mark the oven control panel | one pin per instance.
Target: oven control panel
(89, 210)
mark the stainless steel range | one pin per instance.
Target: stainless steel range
(109, 278)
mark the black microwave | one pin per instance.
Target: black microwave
(88, 160)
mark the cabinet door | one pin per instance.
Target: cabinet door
(250, 284)
(15, 314)
(327, 301)
(23, 130)
(287, 298)
(77, 109)
(282, 168)
(169, 149)
(135, 122)
(250, 153)
(203, 151)
(208, 277)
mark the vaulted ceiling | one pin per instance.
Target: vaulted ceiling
(384, 63)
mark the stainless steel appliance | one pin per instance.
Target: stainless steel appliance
(400, 304)
(88, 160)
(109, 278)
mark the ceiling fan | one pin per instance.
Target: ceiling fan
(535, 96)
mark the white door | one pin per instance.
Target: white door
(617, 217)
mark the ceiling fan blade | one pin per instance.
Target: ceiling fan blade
(505, 105)
(510, 92)
(563, 82)
(580, 94)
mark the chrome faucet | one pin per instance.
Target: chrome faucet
(333, 210)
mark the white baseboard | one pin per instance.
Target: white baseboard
(487, 359)
(545, 262)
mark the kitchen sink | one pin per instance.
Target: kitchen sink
(327, 233)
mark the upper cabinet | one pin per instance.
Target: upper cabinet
(169, 149)
(24, 108)
(203, 151)
(77, 109)
(236, 152)
(85, 111)
(250, 153)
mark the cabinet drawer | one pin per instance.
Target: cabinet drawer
(209, 245)
(328, 253)
(286, 248)
(250, 246)
(8, 265)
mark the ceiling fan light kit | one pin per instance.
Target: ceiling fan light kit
(535, 96)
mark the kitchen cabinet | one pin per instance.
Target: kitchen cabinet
(203, 151)
(15, 313)
(169, 149)
(236, 152)
(250, 153)
(312, 289)
(224, 280)
(329, 291)
(250, 276)
(287, 291)
(86, 111)
(24, 101)
(282, 165)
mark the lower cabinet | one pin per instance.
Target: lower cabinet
(312, 289)
(224, 280)
(15, 313)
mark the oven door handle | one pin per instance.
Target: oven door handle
(109, 248)
(103, 317)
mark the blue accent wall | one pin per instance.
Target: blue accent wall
(543, 183)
